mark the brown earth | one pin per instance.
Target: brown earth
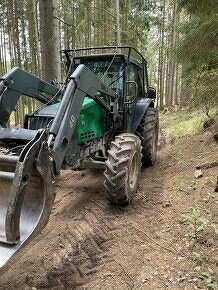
(90, 244)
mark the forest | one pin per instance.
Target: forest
(178, 39)
(108, 181)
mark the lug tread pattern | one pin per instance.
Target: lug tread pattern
(148, 133)
(117, 167)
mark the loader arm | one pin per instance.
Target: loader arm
(83, 83)
(19, 82)
(27, 178)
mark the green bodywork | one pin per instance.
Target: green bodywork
(91, 123)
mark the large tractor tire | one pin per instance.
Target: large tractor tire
(148, 133)
(123, 168)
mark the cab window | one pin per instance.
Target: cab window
(135, 74)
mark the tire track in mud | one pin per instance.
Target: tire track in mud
(73, 246)
(91, 239)
(84, 234)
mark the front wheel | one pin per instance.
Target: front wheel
(123, 168)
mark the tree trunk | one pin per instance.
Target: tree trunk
(171, 68)
(118, 32)
(185, 91)
(161, 59)
(49, 41)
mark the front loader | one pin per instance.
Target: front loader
(102, 117)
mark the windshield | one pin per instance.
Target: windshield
(109, 70)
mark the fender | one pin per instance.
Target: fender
(141, 107)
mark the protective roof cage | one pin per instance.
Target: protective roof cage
(129, 51)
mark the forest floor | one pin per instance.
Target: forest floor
(166, 239)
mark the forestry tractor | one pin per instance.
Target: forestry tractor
(103, 116)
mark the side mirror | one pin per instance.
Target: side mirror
(131, 91)
(151, 93)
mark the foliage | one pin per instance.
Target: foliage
(136, 18)
(200, 7)
(197, 222)
(205, 88)
(153, 27)
(215, 228)
(81, 23)
(185, 123)
(211, 282)
(202, 228)
(197, 50)
(197, 256)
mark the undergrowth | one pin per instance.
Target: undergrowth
(185, 123)
(202, 228)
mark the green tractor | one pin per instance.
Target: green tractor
(104, 116)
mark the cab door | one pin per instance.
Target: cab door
(134, 93)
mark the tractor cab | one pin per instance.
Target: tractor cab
(123, 70)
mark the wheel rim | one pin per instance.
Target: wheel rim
(133, 171)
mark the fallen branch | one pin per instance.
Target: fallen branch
(216, 187)
(207, 165)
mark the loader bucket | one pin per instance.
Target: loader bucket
(26, 195)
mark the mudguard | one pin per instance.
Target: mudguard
(141, 107)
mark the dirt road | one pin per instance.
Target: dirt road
(90, 244)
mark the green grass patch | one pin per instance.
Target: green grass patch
(185, 123)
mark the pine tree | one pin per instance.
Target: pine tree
(49, 41)
(198, 50)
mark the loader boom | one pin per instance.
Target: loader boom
(19, 82)
(26, 178)
(82, 83)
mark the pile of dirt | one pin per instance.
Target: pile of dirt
(166, 239)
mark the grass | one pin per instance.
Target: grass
(185, 123)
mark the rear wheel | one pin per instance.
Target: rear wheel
(148, 133)
(123, 168)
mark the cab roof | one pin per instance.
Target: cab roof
(129, 53)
